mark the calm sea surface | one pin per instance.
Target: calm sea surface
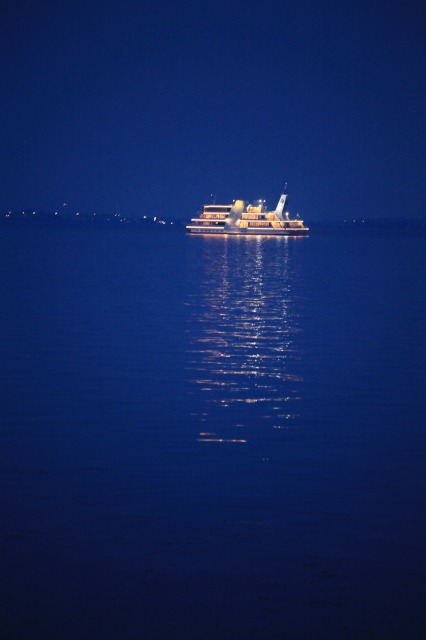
(211, 438)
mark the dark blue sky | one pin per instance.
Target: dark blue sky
(152, 106)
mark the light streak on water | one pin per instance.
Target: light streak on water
(243, 331)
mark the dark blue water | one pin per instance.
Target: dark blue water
(211, 437)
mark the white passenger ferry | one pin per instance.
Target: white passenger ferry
(243, 218)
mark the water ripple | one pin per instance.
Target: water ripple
(242, 326)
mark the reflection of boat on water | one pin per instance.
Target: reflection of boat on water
(243, 368)
(243, 218)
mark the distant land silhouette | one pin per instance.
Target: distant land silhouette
(60, 218)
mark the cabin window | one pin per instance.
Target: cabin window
(252, 216)
(259, 223)
(214, 216)
(214, 209)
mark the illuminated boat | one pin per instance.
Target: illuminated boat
(247, 219)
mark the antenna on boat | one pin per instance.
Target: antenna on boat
(213, 196)
(285, 188)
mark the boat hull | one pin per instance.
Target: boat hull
(248, 232)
